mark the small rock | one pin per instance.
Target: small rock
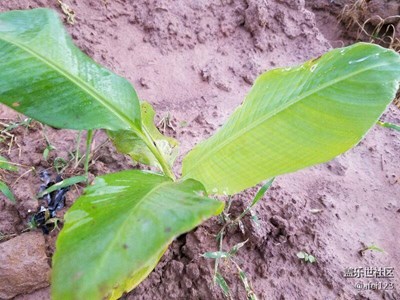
(224, 86)
(24, 265)
(201, 37)
(144, 83)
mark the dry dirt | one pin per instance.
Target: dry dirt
(195, 61)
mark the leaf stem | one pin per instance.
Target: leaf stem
(147, 139)
(89, 138)
(78, 142)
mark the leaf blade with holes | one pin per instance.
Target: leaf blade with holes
(127, 219)
(57, 83)
(294, 118)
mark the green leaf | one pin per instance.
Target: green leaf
(216, 254)
(46, 153)
(220, 280)
(129, 143)
(46, 77)
(261, 192)
(249, 290)
(389, 125)
(312, 259)
(301, 255)
(236, 247)
(298, 117)
(373, 247)
(4, 164)
(117, 231)
(62, 184)
(6, 191)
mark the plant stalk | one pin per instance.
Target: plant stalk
(89, 138)
(145, 136)
(78, 142)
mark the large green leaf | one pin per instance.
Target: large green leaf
(45, 76)
(298, 117)
(128, 142)
(117, 231)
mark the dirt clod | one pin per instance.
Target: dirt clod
(24, 266)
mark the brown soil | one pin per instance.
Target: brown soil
(195, 60)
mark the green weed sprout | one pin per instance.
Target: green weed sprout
(306, 257)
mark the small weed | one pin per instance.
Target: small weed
(166, 122)
(371, 247)
(7, 137)
(47, 151)
(375, 29)
(220, 254)
(221, 282)
(26, 123)
(230, 257)
(49, 146)
(352, 14)
(243, 277)
(6, 165)
(302, 255)
(60, 164)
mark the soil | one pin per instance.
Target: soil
(195, 61)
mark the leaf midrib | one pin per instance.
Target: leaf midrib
(74, 79)
(262, 119)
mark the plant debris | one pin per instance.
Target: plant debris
(45, 218)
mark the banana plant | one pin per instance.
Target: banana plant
(116, 232)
